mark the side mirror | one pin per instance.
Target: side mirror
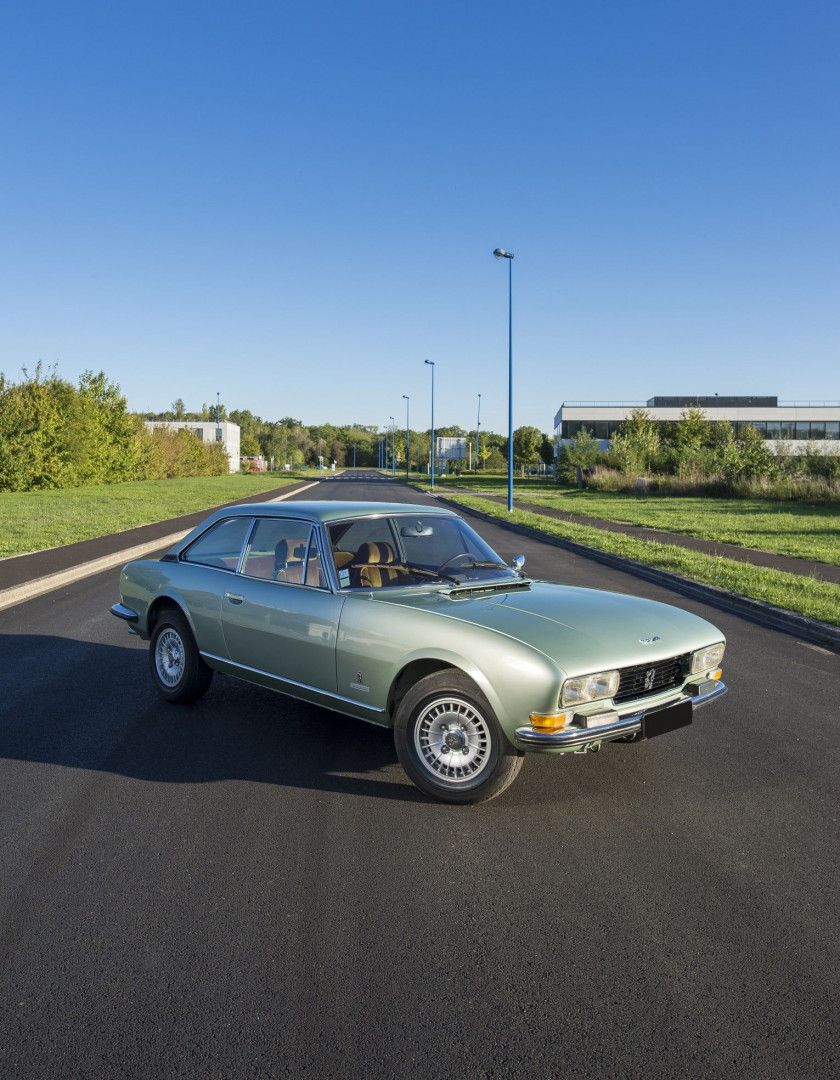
(517, 562)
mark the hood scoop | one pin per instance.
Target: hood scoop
(467, 592)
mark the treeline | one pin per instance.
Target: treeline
(696, 456)
(289, 441)
(55, 435)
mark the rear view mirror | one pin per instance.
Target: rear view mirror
(418, 529)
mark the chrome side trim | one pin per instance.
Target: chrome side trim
(123, 612)
(573, 737)
(291, 682)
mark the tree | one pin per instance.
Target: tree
(749, 458)
(692, 431)
(583, 450)
(526, 445)
(637, 443)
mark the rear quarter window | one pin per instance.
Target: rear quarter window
(221, 545)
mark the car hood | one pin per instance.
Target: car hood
(583, 630)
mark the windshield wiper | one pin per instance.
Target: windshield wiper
(488, 565)
(425, 572)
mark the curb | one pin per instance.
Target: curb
(49, 582)
(774, 618)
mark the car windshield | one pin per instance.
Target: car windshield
(376, 552)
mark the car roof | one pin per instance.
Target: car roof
(326, 512)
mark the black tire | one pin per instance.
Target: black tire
(450, 743)
(178, 672)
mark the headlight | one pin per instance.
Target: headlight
(603, 684)
(707, 658)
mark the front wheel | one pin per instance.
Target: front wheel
(178, 672)
(450, 743)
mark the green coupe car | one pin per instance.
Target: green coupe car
(403, 616)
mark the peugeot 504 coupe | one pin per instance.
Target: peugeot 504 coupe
(403, 616)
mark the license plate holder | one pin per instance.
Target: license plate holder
(669, 719)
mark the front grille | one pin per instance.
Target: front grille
(646, 679)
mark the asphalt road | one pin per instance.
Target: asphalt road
(251, 887)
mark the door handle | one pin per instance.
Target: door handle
(234, 598)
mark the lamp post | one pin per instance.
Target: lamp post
(407, 400)
(500, 254)
(431, 364)
(218, 417)
(477, 430)
(393, 446)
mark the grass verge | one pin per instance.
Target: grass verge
(793, 592)
(800, 530)
(34, 520)
(794, 528)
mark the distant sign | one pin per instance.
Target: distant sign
(451, 448)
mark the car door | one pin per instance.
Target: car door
(279, 617)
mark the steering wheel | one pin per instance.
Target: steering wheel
(457, 558)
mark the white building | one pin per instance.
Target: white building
(793, 423)
(209, 432)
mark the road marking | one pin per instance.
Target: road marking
(30, 589)
(816, 648)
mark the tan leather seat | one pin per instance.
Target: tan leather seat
(373, 564)
(288, 560)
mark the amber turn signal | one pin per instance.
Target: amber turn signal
(548, 721)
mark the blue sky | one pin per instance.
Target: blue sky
(296, 204)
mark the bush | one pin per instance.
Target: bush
(55, 435)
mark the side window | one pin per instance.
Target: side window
(221, 545)
(278, 549)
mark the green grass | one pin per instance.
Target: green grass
(34, 520)
(794, 592)
(797, 529)
(801, 530)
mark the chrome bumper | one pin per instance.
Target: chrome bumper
(572, 737)
(123, 612)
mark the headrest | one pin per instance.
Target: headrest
(371, 553)
(281, 551)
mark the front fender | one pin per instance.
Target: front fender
(372, 652)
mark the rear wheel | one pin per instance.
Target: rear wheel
(450, 743)
(178, 672)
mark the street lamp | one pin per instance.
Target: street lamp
(406, 435)
(431, 364)
(218, 418)
(507, 255)
(477, 430)
(393, 446)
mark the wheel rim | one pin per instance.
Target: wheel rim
(452, 740)
(169, 658)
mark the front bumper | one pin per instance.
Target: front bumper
(574, 738)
